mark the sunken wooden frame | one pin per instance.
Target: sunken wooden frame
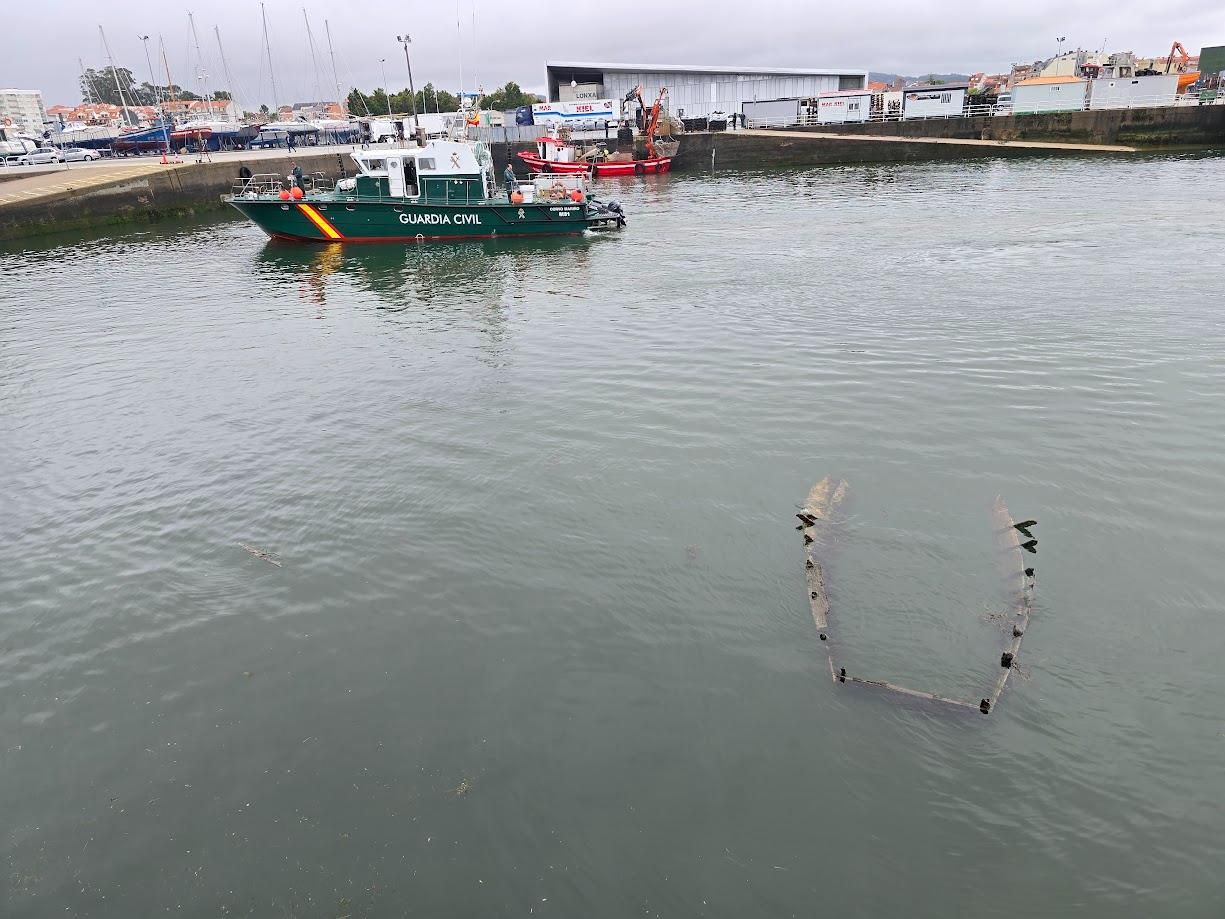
(818, 522)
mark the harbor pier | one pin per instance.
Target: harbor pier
(114, 192)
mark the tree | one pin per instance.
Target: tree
(375, 103)
(430, 99)
(509, 97)
(100, 85)
(222, 94)
(263, 109)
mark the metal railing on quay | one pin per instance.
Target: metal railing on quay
(971, 110)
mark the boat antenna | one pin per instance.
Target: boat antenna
(460, 35)
(476, 52)
(341, 99)
(225, 68)
(115, 73)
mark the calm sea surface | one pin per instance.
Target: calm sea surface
(539, 643)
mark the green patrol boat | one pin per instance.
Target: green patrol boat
(443, 190)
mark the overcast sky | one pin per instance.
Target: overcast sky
(511, 40)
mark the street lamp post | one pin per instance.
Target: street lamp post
(157, 96)
(405, 40)
(1059, 44)
(386, 90)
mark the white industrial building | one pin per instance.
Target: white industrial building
(1049, 94)
(1133, 92)
(944, 100)
(22, 110)
(843, 107)
(695, 92)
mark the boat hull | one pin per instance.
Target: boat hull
(327, 220)
(634, 167)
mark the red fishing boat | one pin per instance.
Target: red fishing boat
(556, 155)
(555, 152)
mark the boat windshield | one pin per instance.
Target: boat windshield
(371, 165)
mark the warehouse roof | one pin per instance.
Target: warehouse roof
(691, 68)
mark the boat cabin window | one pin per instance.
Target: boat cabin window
(374, 165)
(426, 163)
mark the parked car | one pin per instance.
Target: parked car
(1003, 104)
(40, 157)
(78, 155)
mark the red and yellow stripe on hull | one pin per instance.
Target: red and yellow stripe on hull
(321, 223)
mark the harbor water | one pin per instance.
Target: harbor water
(520, 625)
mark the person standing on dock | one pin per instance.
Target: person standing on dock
(509, 178)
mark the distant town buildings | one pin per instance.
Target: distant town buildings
(22, 110)
(104, 114)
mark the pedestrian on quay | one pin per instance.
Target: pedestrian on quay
(288, 142)
(509, 178)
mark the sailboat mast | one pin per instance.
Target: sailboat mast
(115, 73)
(341, 98)
(310, 43)
(225, 68)
(200, 74)
(276, 102)
(174, 97)
(86, 83)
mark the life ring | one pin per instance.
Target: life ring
(639, 169)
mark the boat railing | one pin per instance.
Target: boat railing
(317, 181)
(266, 183)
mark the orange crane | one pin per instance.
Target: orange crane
(1183, 60)
(650, 119)
(1185, 77)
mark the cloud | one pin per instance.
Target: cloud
(510, 43)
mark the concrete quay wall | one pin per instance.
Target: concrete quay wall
(1148, 128)
(768, 149)
(149, 194)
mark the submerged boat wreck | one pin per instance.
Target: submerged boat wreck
(819, 519)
